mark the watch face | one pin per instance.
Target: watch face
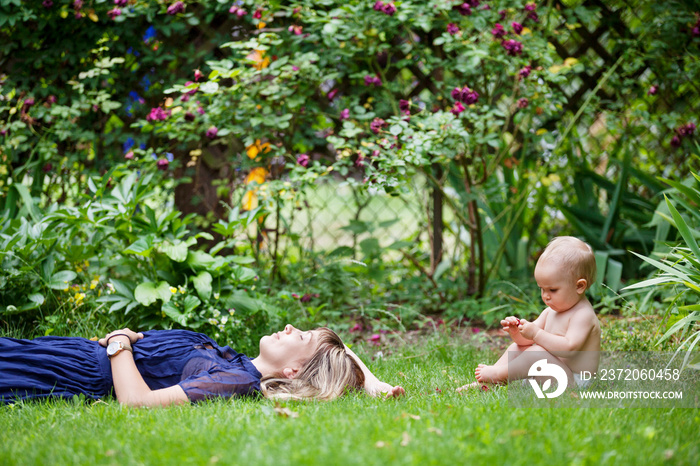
(113, 348)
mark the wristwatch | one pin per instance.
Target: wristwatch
(116, 347)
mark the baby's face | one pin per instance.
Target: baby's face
(559, 291)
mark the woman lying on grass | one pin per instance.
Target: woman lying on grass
(164, 367)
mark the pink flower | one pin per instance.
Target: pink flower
(517, 27)
(686, 130)
(452, 28)
(175, 8)
(375, 153)
(200, 110)
(503, 14)
(345, 114)
(51, 99)
(405, 106)
(464, 9)
(162, 164)
(530, 7)
(356, 328)
(47, 3)
(238, 11)
(295, 296)
(331, 94)
(389, 9)
(375, 339)
(378, 6)
(198, 75)
(373, 80)
(513, 47)
(523, 102)
(533, 16)
(303, 160)
(376, 125)
(498, 31)
(675, 141)
(525, 71)
(257, 14)
(158, 114)
(129, 155)
(296, 30)
(120, 3)
(653, 90)
(695, 32)
(114, 12)
(212, 132)
(295, 68)
(360, 162)
(458, 108)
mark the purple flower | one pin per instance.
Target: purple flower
(295, 68)
(200, 110)
(452, 28)
(498, 31)
(378, 6)
(525, 71)
(114, 12)
(189, 116)
(404, 106)
(686, 130)
(158, 114)
(517, 27)
(523, 102)
(376, 125)
(51, 99)
(469, 96)
(47, 168)
(675, 141)
(503, 14)
(513, 47)
(303, 160)
(530, 7)
(191, 91)
(533, 16)
(695, 32)
(456, 93)
(372, 80)
(345, 114)
(389, 9)
(331, 94)
(653, 90)
(47, 3)
(473, 3)
(360, 162)
(458, 108)
(464, 9)
(29, 102)
(162, 164)
(175, 8)
(375, 153)
(212, 132)
(78, 4)
(119, 3)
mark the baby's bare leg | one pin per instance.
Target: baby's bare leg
(498, 372)
(519, 365)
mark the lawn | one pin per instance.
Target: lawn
(430, 425)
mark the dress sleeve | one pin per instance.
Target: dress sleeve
(220, 381)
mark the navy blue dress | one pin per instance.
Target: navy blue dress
(67, 366)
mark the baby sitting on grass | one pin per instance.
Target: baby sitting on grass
(567, 332)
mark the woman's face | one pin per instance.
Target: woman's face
(290, 348)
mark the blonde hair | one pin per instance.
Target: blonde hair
(576, 257)
(327, 375)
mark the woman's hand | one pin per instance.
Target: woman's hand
(130, 334)
(378, 387)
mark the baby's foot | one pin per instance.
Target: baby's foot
(487, 374)
(473, 386)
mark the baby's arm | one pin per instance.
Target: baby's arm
(512, 326)
(577, 333)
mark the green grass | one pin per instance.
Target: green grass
(425, 427)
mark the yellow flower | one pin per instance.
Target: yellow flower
(256, 175)
(181, 289)
(256, 148)
(79, 297)
(258, 58)
(94, 283)
(173, 290)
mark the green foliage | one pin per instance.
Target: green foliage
(680, 266)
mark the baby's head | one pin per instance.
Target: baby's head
(574, 258)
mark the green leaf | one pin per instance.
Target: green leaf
(60, 280)
(177, 251)
(202, 283)
(141, 247)
(191, 303)
(200, 259)
(148, 293)
(683, 229)
(174, 314)
(36, 298)
(243, 274)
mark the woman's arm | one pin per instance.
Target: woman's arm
(129, 386)
(373, 385)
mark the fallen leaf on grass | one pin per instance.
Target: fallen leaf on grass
(285, 412)
(517, 432)
(405, 439)
(380, 444)
(435, 431)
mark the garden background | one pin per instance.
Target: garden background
(383, 168)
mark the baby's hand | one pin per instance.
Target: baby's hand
(528, 329)
(510, 324)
